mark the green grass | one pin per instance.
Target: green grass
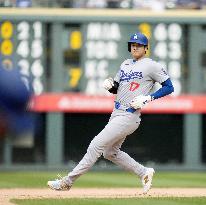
(124, 201)
(107, 179)
(103, 179)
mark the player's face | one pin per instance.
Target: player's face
(137, 50)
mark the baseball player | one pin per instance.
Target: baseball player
(132, 85)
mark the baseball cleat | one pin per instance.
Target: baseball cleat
(147, 180)
(60, 184)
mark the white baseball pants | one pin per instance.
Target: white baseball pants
(108, 143)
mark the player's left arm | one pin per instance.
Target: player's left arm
(159, 75)
(166, 89)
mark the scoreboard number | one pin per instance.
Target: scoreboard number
(168, 51)
(30, 52)
(22, 45)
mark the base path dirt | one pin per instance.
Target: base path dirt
(27, 193)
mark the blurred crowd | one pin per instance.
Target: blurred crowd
(123, 4)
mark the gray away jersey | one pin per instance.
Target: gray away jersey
(138, 78)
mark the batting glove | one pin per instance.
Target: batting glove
(108, 83)
(140, 101)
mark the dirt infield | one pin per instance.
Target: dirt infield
(7, 194)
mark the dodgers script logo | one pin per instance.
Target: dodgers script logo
(131, 75)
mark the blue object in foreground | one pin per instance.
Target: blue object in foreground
(14, 98)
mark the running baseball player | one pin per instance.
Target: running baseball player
(132, 85)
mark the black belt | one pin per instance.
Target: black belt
(117, 106)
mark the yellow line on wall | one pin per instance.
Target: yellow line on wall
(101, 12)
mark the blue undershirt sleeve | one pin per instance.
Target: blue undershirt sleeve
(166, 89)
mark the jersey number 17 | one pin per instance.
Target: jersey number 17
(134, 86)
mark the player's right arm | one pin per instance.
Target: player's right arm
(159, 75)
(111, 85)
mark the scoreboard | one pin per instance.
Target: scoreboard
(105, 49)
(22, 46)
(90, 51)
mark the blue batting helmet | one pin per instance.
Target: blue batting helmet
(139, 38)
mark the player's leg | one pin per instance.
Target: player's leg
(123, 160)
(113, 131)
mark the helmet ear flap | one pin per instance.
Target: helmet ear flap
(129, 47)
(146, 48)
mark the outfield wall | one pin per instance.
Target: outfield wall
(67, 53)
